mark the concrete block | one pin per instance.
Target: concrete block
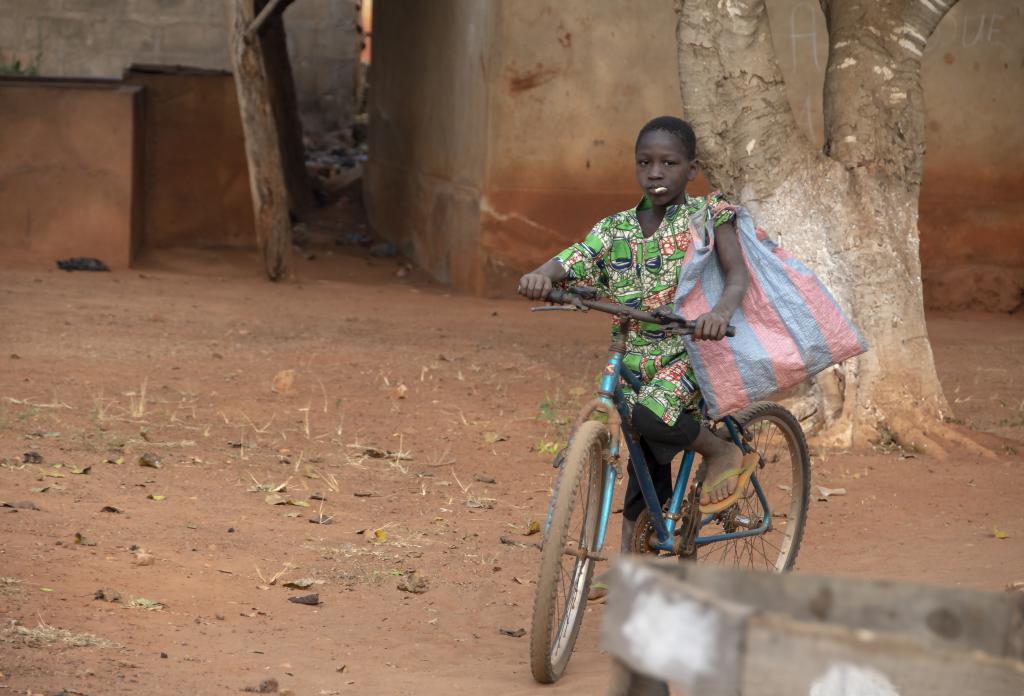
(82, 61)
(30, 8)
(157, 8)
(61, 31)
(109, 8)
(10, 36)
(209, 61)
(193, 37)
(196, 10)
(326, 11)
(125, 35)
(48, 63)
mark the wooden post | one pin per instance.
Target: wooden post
(719, 632)
(274, 43)
(266, 175)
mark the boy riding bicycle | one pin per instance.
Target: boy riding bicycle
(634, 257)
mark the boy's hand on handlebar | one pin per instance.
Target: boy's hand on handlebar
(535, 286)
(710, 326)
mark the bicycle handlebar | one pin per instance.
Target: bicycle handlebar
(583, 298)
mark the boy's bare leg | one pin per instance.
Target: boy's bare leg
(720, 457)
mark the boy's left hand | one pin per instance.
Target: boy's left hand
(711, 327)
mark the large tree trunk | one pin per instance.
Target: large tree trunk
(850, 211)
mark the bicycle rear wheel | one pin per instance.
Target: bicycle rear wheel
(784, 478)
(565, 574)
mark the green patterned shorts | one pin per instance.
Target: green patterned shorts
(671, 391)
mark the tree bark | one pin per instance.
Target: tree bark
(850, 211)
(274, 43)
(266, 178)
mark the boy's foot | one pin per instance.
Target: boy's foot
(724, 467)
(598, 592)
(739, 487)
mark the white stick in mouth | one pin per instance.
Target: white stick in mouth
(660, 190)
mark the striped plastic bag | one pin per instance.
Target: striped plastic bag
(788, 327)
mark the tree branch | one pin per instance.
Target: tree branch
(735, 96)
(270, 8)
(874, 110)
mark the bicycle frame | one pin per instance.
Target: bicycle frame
(611, 399)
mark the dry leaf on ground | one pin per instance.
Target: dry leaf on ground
(283, 382)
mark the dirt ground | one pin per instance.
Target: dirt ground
(184, 361)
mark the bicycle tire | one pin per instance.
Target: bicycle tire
(776, 549)
(552, 637)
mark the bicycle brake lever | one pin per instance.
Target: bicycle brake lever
(587, 293)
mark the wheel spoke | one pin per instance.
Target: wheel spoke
(564, 577)
(775, 437)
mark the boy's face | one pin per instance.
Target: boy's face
(662, 163)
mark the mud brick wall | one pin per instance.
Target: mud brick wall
(195, 175)
(100, 38)
(70, 174)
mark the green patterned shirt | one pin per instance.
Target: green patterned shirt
(642, 273)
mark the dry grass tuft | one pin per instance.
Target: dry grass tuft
(9, 585)
(137, 400)
(45, 635)
(148, 604)
(272, 580)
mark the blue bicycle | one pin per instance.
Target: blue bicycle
(761, 529)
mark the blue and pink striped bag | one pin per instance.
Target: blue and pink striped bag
(788, 328)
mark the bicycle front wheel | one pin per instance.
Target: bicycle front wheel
(784, 479)
(565, 566)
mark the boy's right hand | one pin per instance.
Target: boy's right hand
(535, 286)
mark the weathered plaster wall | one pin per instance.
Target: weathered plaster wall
(100, 38)
(428, 117)
(69, 181)
(972, 196)
(574, 81)
(324, 47)
(570, 82)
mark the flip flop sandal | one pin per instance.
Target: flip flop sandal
(598, 592)
(743, 475)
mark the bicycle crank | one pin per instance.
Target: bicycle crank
(584, 553)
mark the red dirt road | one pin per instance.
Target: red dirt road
(465, 388)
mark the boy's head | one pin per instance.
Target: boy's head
(682, 130)
(666, 153)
